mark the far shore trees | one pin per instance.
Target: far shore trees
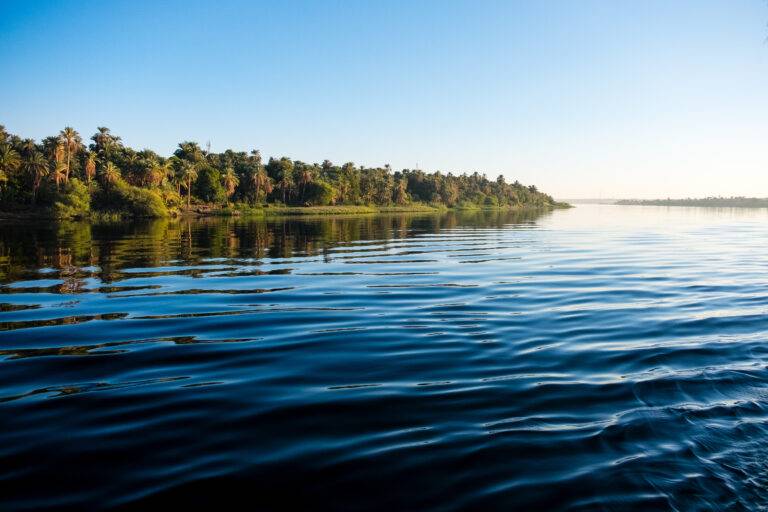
(37, 173)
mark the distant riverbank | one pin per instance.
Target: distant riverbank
(716, 202)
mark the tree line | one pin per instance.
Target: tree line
(65, 172)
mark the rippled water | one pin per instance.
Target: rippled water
(602, 357)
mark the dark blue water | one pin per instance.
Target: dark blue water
(600, 358)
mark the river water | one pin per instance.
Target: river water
(597, 358)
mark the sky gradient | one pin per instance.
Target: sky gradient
(584, 99)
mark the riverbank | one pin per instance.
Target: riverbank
(206, 210)
(707, 202)
(209, 210)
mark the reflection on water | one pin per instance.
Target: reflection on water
(71, 252)
(597, 358)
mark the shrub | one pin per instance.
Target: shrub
(125, 199)
(208, 185)
(170, 197)
(72, 201)
(467, 205)
(319, 193)
(145, 203)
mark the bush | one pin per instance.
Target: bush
(72, 201)
(319, 193)
(145, 203)
(124, 199)
(467, 205)
(170, 197)
(208, 186)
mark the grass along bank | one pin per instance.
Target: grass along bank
(205, 210)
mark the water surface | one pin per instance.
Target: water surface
(599, 358)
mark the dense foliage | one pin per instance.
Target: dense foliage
(71, 178)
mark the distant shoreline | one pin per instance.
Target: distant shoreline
(709, 202)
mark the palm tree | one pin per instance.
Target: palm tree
(145, 171)
(401, 193)
(261, 181)
(37, 167)
(131, 168)
(189, 174)
(28, 147)
(101, 136)
(259, 176)
(305, 178)
(158, 172)
(60, 166)
(175, 175)
(90, 167)
(189, 151)
(231, 181)
(285, 176)
(9, 162)
(72, 143)
(110, 174)
(104, 141)
(256, 157)
(59, 173)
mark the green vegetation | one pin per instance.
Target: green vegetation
(721, 202)
(62, 177)
(72, 200)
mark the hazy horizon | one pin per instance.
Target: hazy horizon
(595, 99)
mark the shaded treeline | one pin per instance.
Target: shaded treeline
(72, 175)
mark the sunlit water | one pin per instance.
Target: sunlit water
(602, 357)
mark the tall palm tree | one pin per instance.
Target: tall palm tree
(131, 168)
(189, 151)
(256, 157)
(60, 166)
(305, 178)
(28, 147)
(101, 135)
(401, 193)
(231, 181)
(261, 181)
(72, 143)
(110, 174)
(90, 167)
(59, 173)
(37, 166)
(158, 172)
(175, 176)
(285, 176)
(9, 162)
(145, 171)
(189, 174)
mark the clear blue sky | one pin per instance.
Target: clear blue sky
(583, 98)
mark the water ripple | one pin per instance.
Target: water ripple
(600, 358)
